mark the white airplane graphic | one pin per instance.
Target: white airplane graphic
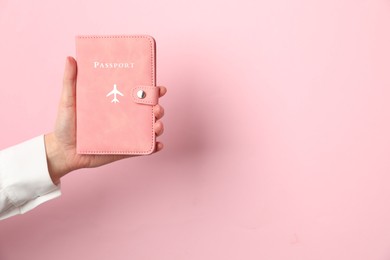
(114, 92)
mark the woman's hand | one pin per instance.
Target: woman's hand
(61, 144)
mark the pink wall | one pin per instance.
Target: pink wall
(277, 131)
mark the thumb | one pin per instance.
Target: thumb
(68, 96)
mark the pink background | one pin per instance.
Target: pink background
(277, 131)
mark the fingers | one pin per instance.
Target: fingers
(163, 90)
(158, 111)
(159, 146)
(158, 128)
(69, 83)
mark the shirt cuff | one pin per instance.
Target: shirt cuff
(24, 176)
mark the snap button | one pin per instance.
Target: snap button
(141, 94)
(144, 94)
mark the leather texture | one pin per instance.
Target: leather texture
(111, 118)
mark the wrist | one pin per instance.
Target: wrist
(56, 158)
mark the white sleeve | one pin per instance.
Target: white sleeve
(24, 178)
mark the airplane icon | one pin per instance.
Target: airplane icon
(114, 92)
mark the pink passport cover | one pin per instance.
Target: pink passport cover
(115, 94)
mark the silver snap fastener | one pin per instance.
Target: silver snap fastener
(141, 94)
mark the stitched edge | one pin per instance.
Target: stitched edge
(152, 58)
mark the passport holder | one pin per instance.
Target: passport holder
(116, 92)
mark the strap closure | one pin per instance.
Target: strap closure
(147, 95)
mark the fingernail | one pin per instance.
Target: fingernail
(68, 59)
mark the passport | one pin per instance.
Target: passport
(115, 94)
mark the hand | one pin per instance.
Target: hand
(61, 144)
